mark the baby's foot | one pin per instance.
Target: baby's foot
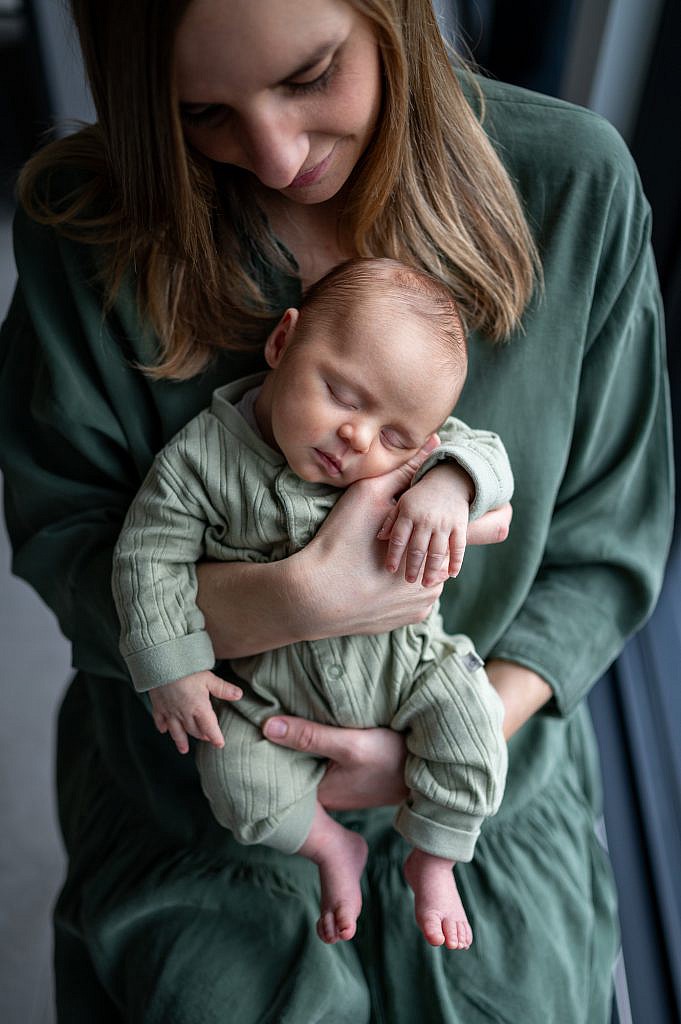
(340, 856)
(437, 904)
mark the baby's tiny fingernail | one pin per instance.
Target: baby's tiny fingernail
(276, 727)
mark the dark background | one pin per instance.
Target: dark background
(622, 58)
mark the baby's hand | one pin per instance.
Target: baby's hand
(183, 707)
(429, 523)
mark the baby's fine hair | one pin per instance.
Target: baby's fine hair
(355, 283)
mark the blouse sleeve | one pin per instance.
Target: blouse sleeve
(66, 451)
(610, 530)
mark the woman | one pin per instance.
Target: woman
(242, 150)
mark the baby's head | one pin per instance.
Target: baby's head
(363, 373)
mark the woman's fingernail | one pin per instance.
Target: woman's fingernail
(276, 727)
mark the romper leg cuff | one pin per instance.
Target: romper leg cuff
(285, 833)
(449, 841)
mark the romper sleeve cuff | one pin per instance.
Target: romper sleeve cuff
(171, 660)
(493, 482)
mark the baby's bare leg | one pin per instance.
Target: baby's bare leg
(437, 904)
(340, 856)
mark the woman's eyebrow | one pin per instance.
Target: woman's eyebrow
(312, 60)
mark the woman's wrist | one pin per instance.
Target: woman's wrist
(522, 691)
(251, 607)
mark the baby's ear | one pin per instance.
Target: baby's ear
(281, 337)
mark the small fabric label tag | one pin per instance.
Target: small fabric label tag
(472, 661)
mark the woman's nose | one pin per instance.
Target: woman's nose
(274, 146)
(358, 435)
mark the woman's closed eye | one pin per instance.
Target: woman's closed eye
(317, 84)
(213, 113)
(202, 117)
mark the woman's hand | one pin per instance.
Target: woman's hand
(343, 585)
(366, 766)
(336, 585)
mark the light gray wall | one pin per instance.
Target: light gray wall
(35, 668)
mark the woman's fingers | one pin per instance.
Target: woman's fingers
(491, 528)
(390, 484)
(312, 738)
(388, 522)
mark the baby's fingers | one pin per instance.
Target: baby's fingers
(208, 728)
(178, 735)
(437, 559)
(387, 526)
(457, 549)
(160, 722)
(417, 550)
(399, 538)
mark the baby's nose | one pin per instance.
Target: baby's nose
(358, 435)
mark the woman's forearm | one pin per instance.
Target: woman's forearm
(336, 585)
(250, 607)
(522, 691)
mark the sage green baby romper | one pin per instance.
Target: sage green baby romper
(219, 491)
(163, 917)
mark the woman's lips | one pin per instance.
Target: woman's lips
(312, 175)
(331, 465)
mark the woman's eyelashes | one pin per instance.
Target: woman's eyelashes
(214, 113)
(204, 116)
(318, 84)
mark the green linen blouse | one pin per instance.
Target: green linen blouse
(163, 917)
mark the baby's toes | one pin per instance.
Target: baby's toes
(326, 927)
(346, 921)
(458, 934)
(431, 926)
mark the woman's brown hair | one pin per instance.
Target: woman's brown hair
(429, 191)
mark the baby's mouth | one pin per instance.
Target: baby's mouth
(330, 462)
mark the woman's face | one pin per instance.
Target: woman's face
(289, 90)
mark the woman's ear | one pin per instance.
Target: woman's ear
(281, 337)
